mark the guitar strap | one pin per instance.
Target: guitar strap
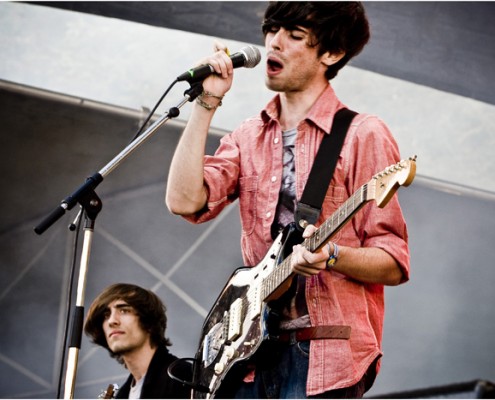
(309, 207)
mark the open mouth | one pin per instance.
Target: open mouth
(274, 65)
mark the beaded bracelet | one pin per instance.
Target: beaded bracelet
(333, 257)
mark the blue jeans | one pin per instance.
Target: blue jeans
(283, 375)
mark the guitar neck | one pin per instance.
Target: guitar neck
(338, 219)
(330, 227)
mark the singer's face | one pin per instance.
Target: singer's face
(292, 64)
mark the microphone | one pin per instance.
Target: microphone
(248, 57)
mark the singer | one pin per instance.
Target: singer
(327, 340)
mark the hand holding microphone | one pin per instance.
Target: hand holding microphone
(248, 57)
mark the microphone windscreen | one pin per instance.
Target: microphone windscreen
(252, 56)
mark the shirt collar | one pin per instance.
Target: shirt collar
(321, 114)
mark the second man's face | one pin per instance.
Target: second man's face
(122, 329)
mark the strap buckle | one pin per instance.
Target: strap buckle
(305, 215)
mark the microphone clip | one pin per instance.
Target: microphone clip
(194, 91)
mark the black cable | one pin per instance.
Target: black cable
(191, 384)
(153, 111)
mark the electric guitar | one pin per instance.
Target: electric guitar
(239, 321)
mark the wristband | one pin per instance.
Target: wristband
(209, 94)
(204, 104)
(333, 257)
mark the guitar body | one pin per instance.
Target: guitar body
(239, 322)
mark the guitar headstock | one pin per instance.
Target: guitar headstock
(383, 185)
(110, 392)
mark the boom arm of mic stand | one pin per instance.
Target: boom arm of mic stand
(93, 181)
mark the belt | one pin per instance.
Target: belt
(315, 333)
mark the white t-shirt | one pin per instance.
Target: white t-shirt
(135, 392)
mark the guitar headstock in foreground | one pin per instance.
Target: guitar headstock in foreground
(383, 185)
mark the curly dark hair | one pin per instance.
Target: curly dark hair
(148, 306)
(336, 27)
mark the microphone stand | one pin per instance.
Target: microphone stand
(92, 205)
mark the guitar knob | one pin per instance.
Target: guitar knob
(229, 352)
(219, 367)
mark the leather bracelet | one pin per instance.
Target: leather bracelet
(209, 94)
(333, 257)
(204, 104)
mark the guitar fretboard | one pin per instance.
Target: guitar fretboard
(331, 226)
(337, 220)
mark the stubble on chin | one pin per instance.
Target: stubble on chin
(276, 87)
(118, 348)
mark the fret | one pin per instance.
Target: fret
(314, 240)
(350, 205)
(279, 271)
(279, 274)
(324, 228)
(286, 268)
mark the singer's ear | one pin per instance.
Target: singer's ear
(331, 58)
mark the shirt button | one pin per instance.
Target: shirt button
(274, 178)
(268, 214)
(276, 140)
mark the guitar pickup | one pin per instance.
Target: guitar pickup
(254, 296)
(235, 320)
